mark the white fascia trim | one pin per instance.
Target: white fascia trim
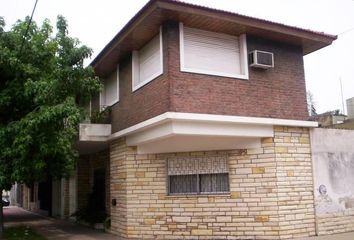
(181, 46)
(168, 116)
(244, 56)
(241, 120)
(160, 119)
(243, 59)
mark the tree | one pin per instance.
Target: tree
(311, 105)
(43, 83)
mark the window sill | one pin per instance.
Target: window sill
(137, 87)
(212, 73)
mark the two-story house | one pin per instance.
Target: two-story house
(208, 137)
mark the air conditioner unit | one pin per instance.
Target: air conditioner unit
(261, 59)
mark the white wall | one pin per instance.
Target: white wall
(72, 194)
(333, 163)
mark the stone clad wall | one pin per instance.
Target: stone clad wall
(332, 223)
(295, 182)
(270, 194)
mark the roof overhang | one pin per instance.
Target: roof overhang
(185, 132)
(145, 24)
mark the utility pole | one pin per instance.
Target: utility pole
(341, 91)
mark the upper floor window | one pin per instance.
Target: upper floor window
(147, 62)
(110, 91)
(213, 53)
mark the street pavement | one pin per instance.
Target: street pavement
(59, 229)
(53, 229)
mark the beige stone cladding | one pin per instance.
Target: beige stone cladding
(333, 223)
(295, 182)
(270, 194)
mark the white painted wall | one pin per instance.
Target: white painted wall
(73, 194)
(333, 165)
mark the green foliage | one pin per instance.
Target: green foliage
(41, 90)
(101, 116)
(24, 233)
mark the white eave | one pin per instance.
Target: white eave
(210, 118)
(182, 132)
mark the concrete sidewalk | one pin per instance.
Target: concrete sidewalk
(60, 229)
(52, 228)
(341, 236)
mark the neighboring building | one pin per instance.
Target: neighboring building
(329, 119)
(350, 108)
(349, 122)
(202, 143)
(335, 119)
(56, 198)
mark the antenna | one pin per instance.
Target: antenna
(341, 91)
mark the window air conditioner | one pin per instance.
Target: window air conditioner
(261, 59)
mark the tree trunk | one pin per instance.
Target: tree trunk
(1, 218)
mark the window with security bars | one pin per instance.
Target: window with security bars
(198, 175)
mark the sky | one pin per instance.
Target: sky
(95, 23)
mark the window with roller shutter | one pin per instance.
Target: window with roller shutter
(147, 62)
(110, 91)
(213, 53)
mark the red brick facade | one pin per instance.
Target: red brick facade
(275, 93)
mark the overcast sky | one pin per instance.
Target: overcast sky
(96, 22)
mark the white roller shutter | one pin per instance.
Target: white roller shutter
(147, 62)
(211, 53)
(110, 91)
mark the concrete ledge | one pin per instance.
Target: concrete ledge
(94, 132)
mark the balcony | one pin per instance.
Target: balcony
(95, 131)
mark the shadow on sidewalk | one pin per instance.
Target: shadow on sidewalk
(51, 228)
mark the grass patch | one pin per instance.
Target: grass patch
(23, 233)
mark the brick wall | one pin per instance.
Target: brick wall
(270, 194)
(146, 102)
(276, 93)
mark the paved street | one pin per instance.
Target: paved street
(52, 228)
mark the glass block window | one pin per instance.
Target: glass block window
(198, 175)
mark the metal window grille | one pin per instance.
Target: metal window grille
(198, 174)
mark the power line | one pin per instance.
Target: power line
(346, 31)
(28, 25)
